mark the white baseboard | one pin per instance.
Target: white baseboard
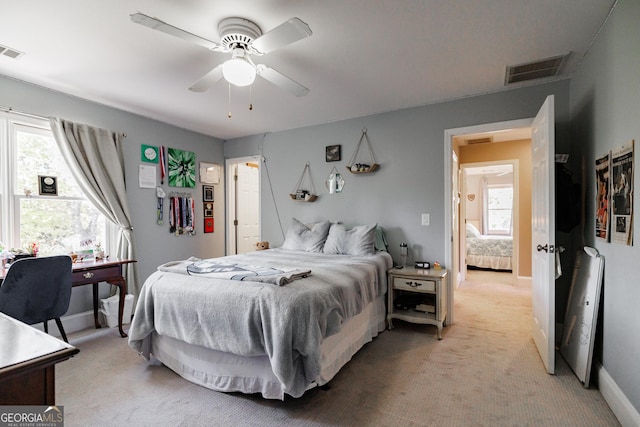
(524, 282)
(617, 401)
(72, 323)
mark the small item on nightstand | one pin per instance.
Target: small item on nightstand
(425, 265)
(436, 265)
(404, 254)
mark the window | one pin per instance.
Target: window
(58, 224)
(499, 209)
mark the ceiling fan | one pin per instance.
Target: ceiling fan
(243, 39)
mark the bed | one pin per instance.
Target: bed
(488, 251)
(276, 322)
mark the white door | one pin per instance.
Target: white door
(247, 207)
(543, 233)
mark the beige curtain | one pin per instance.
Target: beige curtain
(96, 160)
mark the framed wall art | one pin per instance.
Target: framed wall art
(182, 168)
(208, 210)
(149, 153)
(209, 173)
(333, 153)
(208, 225)
(207, 193)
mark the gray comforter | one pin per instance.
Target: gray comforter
(286, 323)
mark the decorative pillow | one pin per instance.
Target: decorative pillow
(309, 239)
(472, 231)
(380, 240)
(355, 241)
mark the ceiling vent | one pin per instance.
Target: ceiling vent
(11, 53)
(548, 67)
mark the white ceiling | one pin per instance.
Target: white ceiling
(364, 57)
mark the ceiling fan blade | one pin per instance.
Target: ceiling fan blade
(280, 80)
(291, 31)
(158, 25)
(207, 80)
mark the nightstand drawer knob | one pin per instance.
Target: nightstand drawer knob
(88, 275)
(413, 284)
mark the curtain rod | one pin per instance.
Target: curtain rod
(20, 113)
(33, 116)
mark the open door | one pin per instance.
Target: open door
(543, 233)
(247, 207)
(243, 205)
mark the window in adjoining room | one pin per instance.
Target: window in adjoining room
(499, 209)
(52, 213)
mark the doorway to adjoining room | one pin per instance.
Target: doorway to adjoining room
(243, 204)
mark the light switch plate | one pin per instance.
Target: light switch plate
(426, 219)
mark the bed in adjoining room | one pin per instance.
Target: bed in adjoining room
(493, 252)
(276, 322)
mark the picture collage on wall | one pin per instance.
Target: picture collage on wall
(614, 195)
(179, 167)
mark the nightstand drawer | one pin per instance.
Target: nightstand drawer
(414, 285)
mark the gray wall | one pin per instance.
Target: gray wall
(154, 244)
(605, 94)
(408, 145)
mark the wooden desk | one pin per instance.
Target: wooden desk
(27, 363)
(92, 272)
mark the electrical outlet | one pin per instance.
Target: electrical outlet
(426, 219)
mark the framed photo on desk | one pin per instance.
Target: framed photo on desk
(47, 185)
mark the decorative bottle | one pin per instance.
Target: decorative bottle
(404, 254)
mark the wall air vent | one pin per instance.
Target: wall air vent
(548, 67)
(11, 53)
(484, 140)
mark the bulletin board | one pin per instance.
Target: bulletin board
(582, 313)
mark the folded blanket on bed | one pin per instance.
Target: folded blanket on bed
(280, 279)
(216, 269)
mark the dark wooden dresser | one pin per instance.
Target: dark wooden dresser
(27, 363)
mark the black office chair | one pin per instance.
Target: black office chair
(36, 290)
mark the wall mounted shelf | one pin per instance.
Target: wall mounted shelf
(358, 168)
(299, 193)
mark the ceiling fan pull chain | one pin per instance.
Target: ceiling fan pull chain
(250, 98)
(229, 101)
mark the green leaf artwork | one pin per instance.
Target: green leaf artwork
(182, 168)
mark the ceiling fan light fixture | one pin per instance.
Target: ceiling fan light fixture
(238, 70)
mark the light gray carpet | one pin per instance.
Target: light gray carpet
(485, 372)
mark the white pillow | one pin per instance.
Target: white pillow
(472, 231)
(303, 238)
(355, 241)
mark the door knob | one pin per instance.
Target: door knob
(546, 248)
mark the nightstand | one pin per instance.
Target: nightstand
(417, 296)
